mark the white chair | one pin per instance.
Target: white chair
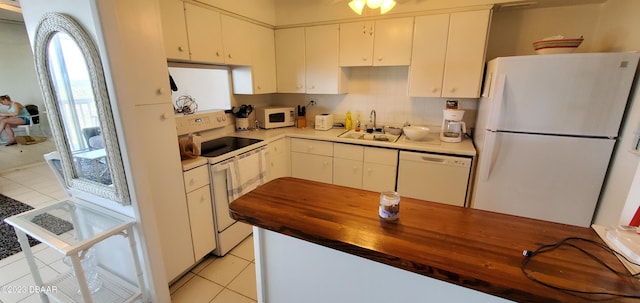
(33, 120)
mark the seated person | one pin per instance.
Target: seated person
(16, 115)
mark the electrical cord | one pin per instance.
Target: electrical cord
(528, 254)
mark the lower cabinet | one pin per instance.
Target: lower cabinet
(312, 160)
(369, 168)
(278, 163)
(347, 164)
(196, 182)
(379, 169)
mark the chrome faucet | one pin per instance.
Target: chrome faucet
(372, 119)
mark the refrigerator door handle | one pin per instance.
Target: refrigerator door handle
(496, 106)
(489, 149)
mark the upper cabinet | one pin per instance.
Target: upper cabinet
(290, 68)
(380, 43)
(205, 34)
(237, 36)
(448, 54)
(260, 77)
(191, 32)
(307, 60)
(174, 28)
(324, 76)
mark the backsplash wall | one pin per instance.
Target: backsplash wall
(383, 89)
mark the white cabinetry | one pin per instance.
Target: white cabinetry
(290, 60)
(260, 77)
(204, 33)
(323, 75)
(191, 32)
(365, 167)
(379, 169)
(312, 160)
(307, 60)
(383, 43)
(236, 37)
(174, 29)
(347, 164)
(196, 184)
(448, 54)
(278, 159)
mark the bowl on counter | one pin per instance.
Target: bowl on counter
(416, 133)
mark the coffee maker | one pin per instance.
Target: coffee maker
(453, 128)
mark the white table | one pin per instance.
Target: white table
(91, 224)
(95, 157)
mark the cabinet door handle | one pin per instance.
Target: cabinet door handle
(453, 89)
(434, 90)
(217, 54)
(180, 49)
(229, 55)
(379, 58)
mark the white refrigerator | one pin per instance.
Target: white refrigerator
(545, 132)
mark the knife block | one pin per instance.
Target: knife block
(302, 121)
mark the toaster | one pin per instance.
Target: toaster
(324, 122)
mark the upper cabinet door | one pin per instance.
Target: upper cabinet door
(429, 52)
(290, 62)
(264, 61)
(356, 44)
(205, 34)
(324, 76)
(466, 48)
(393, 39)
(237, 36)
(174, 29)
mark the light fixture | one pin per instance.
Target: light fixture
(357, 6)
(384, 5)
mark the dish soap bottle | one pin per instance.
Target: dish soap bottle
(348, 123)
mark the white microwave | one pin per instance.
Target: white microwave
(274, 117)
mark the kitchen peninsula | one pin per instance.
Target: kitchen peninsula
(318, 242)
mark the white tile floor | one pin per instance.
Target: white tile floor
(21, 155)
(230, 279)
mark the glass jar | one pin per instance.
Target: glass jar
(389, 205)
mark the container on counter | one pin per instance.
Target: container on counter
(389, 205)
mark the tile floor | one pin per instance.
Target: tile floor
(230, 279)
(21, 155)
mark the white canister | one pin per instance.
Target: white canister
(242, 123)
(389, 205)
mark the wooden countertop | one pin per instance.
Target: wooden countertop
(471, 248)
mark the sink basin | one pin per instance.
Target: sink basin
(383, 137)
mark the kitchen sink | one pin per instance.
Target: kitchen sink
(376, 136)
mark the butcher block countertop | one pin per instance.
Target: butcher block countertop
(471, 248)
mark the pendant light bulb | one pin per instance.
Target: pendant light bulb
(386, 6)
(357, 6)
(374, 4)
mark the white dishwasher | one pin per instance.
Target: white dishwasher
(432, 177)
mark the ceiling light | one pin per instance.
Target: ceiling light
(357, 6)
(373, 4)
(384, 5)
